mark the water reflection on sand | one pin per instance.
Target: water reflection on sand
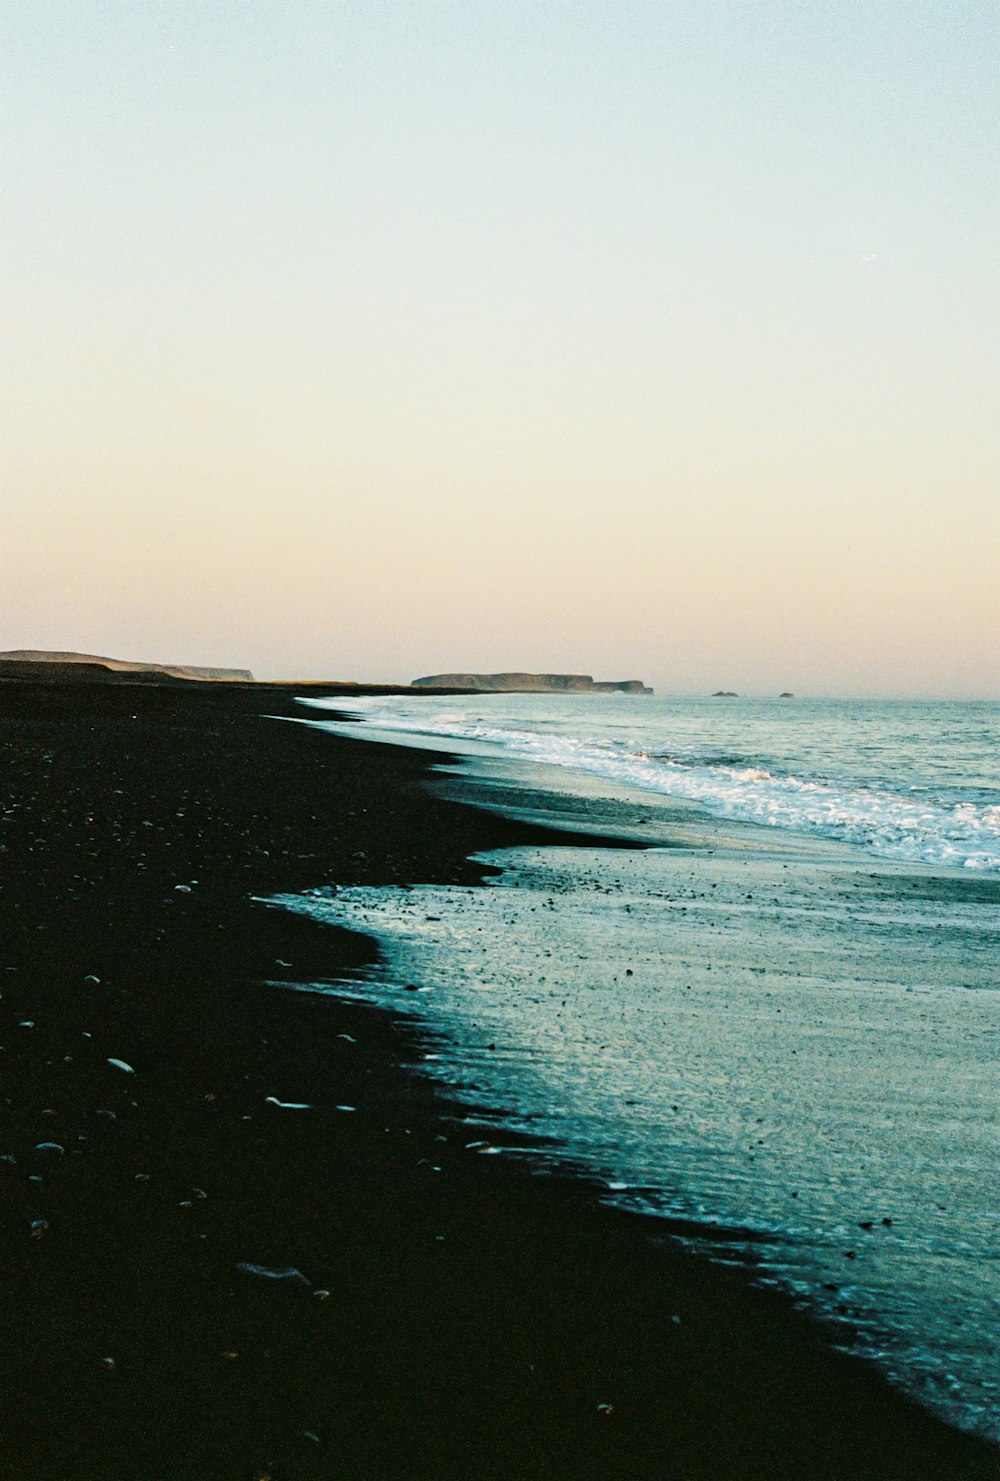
(797, 1044)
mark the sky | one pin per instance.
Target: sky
(372, 340)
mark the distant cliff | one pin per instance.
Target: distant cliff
(24, 663)
(532, 683)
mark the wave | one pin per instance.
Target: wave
(912, 826)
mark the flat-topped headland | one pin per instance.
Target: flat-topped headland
(240, 1237)
(50, 667)
(517, 683)
(42, 663)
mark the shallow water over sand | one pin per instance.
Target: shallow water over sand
(794, 1048)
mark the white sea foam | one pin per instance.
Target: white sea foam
(798, 787)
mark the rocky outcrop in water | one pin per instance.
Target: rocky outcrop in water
(533, 683)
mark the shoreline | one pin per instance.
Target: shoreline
(766, 1155)
(480, 1322)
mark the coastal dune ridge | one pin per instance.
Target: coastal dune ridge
(316, 1271)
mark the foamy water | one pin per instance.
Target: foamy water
(905, 781)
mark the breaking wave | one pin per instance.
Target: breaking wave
(940, 823)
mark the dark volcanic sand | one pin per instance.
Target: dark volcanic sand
(480, 1322)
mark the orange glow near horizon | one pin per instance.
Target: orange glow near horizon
(370, 344)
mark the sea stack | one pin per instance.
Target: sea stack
(517, 683)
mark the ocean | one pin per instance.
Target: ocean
(774, 1022)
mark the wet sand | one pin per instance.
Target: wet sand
(427, 1312)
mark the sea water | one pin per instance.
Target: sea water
(918, 782)
(775, 1023)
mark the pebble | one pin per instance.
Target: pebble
(267, 1272)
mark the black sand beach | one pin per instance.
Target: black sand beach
(427, 1313)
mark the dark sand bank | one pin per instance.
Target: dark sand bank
(480, 1323)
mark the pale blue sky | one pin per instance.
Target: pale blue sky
(366, 340)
